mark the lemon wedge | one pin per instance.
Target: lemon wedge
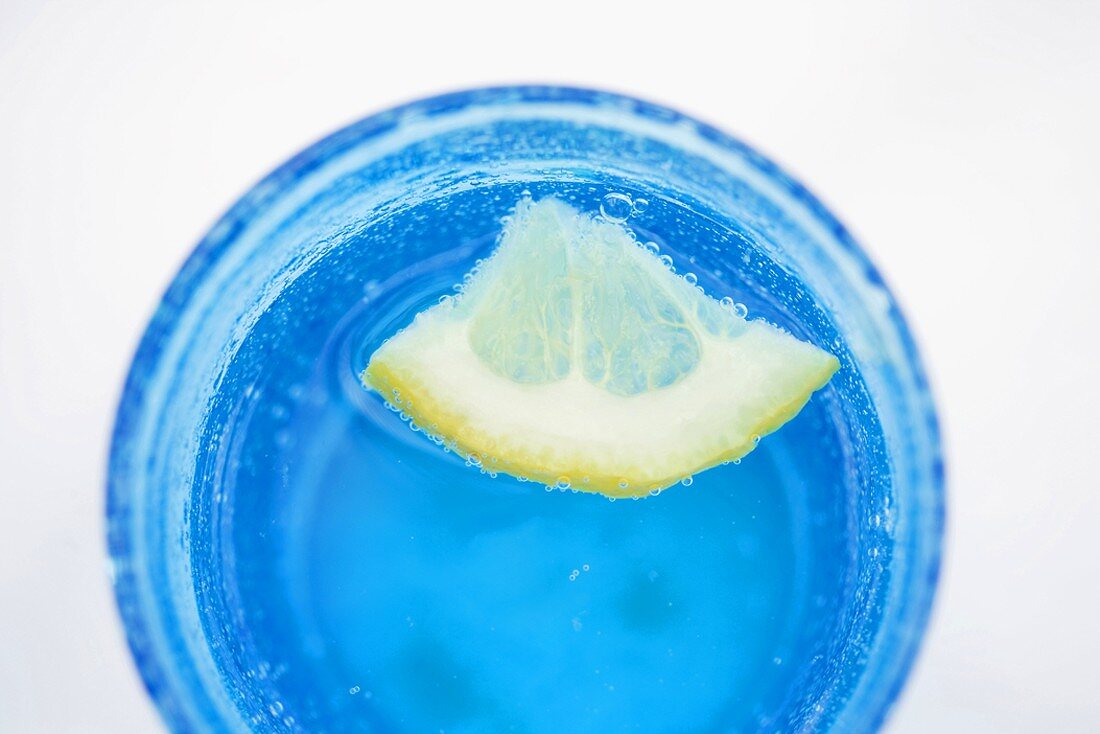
(575, 357)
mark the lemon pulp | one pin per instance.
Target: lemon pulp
(574, 356)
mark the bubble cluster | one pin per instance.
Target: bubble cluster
(740, 310)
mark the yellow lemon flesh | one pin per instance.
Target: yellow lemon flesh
(574, 356)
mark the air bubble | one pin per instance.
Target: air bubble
(640, 205)
(687, 481)
(444, 300)
(624, 484)
(741, 310)
(354, 689)
(755, 440)
(691, 278)
(653, 247)
(666, 260)
(585, 567)
(563, 483)
(616, 208)
(574, 574)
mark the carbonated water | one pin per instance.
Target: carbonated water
(355, 577)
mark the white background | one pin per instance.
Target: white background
(958, 139)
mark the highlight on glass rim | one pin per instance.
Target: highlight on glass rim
(526, 409)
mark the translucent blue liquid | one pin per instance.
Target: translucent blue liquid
(354, 577)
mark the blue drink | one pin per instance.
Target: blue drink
(290, 556)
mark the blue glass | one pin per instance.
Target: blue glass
(290, 556)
